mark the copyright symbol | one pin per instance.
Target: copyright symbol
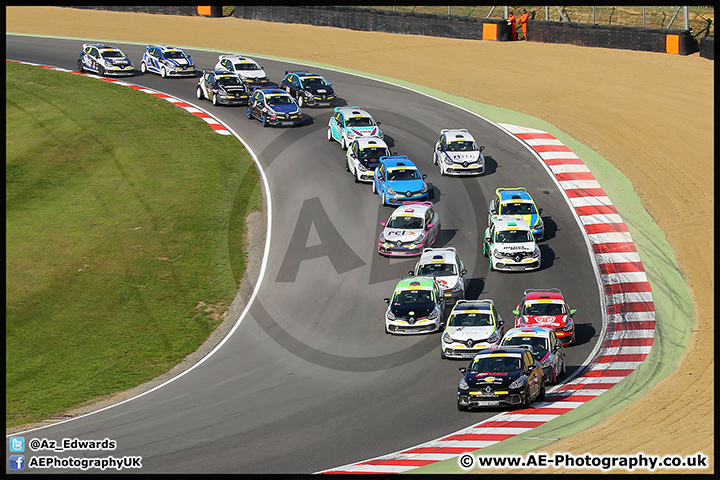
(466, 461)
(34, 444)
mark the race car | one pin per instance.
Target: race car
(363, 157)
(445, 265)
(502, 376)
(167, 61)
(347, 123)
(309, 89)
(247, 68)
(410, 228)
(517, 201)
(545, 347)
(104, 60)
(510, 245)
(221, 88)
(472, 325)
(398, 180)
(273, 106)
(457, 153)
(417, 306)
(546, 308)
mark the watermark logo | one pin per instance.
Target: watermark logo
(17, 444)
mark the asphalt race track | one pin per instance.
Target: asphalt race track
(309, 380)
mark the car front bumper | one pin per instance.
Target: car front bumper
(460, 169)
(511, 265)
(475, 398)
(405, 328)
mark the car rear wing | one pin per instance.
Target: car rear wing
(445, 130)
(542, 290)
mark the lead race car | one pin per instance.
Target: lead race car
(273, 106)
(457, 153)
(221, 88)
(104, 60)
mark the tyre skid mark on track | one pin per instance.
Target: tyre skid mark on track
(629, 316)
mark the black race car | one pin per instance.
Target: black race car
(309, 89)
(222, 88)
(503, 376)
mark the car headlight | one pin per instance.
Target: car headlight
(390, 191)
(349, 134)
(434, 314)
(536, 253)
(456, 288)
(448, 160)
(546, 362)
(308, 95)
(497, 254)
(494, 337)
(447, 338)
(568, 326)
(419, 240)
(463, 384)
(424, 188)
(390, 315)
(362, 167)
(519, 382)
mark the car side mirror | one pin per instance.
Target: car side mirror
(463, 272)
(438, 148)
(430, 225)
(410, 272)
(516, 312)
(462, 370)
(382, 224)
(379, 123)
(539, 211)
(572, 311)
(387, 300)
(501, 322)
(482, 148)
(424, 176)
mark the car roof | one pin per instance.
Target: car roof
(224, 73)
(509, 222)
(457, 134)
(165, 48)
(438, 255)
(498, 352)
(370, 142)
(302, 73)
(271, 90)
(412, 209)
(513, 194)
(462, 304)
(353, 111)
(395, 161)
(537, 294)
(101, 46)
(528, 331)
(411, 282)
(240, 58)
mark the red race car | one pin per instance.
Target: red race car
(546, 308)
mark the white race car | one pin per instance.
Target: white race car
(410, 228)
(510, 244)
(472, 326)
(457, 153)
(104, 60)
(248, 69)
(348, 123)
(363, 157)
(447, 268)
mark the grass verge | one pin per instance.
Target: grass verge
(121, 256)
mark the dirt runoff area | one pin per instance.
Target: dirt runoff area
(649, 114)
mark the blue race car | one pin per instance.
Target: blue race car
(167, 61)
(273, 106)
(398, 180)
(517, 201)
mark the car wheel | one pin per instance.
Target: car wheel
(214, 99)
(199, 93)
(101, 71)
(163, 72)
(541, 394)
(374, 189)
(356, 177)
(383, 199)
(330, 137)
(527, 400)
(300, 100)
(554, 376)
(143, 67)
(342, 143)
(563, 368)
(249, 113)
(264, 120)
(462, 408)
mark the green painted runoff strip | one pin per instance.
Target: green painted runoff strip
(674, 311)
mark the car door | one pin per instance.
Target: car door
(207, 84)
(91, 59)
(380, 179)
(335, 123)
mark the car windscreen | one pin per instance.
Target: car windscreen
(279, 100)
(373, 152)
(314, 82)
(513, 236)
(496, 364)
(175, 54)
(405, 222)
(403, 174)
(539, 345)
(111, 54)
(463, 319)
(544, 309)
(247, 66)
(521, 208)
(229, 81)
(405, 297)
(438, 269)
(359, 122)
(462, 146)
